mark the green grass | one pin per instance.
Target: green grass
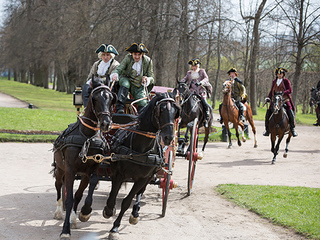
(54, 112)
(38, 96)
(294, 207)
(35, 119)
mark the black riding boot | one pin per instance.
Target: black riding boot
(206, 108)
(291, 120)
(122, 98)
(266, 123)
(241, 110)
(220, 119)
(86, 90)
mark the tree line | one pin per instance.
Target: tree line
(54, 41)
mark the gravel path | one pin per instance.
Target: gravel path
(28, 195)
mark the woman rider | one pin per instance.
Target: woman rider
(281, 84)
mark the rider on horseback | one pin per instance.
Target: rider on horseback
(238, 94)
(281, 84)
(134, 73)
(198, 82)
(102, 68)
(318, 107)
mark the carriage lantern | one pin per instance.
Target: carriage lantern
(77, 99)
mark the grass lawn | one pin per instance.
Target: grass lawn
(294, 207)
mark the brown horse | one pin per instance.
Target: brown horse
(81, 137)
(278, 125)
(230, 113)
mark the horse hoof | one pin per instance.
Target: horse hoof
(285, 155)
(84, 218)
(255, 146)
(114, 236)
(108, 215)
(239, 144)
(244, 139)
(65, 236)
(273, 162)
(229, 146)
(133, 220)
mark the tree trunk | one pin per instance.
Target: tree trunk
(216, 82)
(254, 55)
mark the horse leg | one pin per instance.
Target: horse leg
(250, 120)
(59, 173)
(276, 149)
(181, 141)
(237, 134)
(206, 138)
(229, 134)
(134, 217)
(273, 140)
(138, 185)
(110, 210)
(77, 198)
(86, 210)
(69, 180)
(242, 132)
(285, 154)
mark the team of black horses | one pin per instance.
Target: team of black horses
(134, 152)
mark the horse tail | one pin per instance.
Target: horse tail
(53, 170)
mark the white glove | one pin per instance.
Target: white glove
(147, 83)
(114, 77)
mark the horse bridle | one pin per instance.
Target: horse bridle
(277, 103)
(97, 115)
(156, 111)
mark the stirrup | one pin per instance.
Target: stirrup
(220, 120)
(242, 118)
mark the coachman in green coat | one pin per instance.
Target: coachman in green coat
(135, 73)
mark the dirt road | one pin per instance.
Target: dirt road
(28, 196)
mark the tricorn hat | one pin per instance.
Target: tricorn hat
(137, 47)
(194, 61)
(280, 70)
(108, 48)
(232, 70)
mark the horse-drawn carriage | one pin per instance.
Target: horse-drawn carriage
(119, 148)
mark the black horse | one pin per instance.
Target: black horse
(315, 100)
(279, 125)
(137, 154)
(191, 108)
(81, 137)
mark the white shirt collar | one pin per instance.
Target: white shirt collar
(279, 81)
(103, 67)
(137, 66)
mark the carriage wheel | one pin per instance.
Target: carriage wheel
(165, 191)
(193, 155)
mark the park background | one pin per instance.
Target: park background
(54, 42)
